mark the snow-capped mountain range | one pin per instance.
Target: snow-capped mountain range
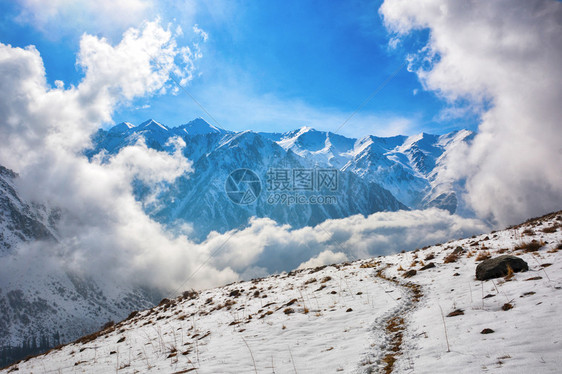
(374, 173)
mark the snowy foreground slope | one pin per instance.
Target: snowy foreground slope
(367, 316)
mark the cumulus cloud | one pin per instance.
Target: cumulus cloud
(280, 248)
(103, 230)
(502, 57)
(148, 165)
(324, 258)
(37, 116)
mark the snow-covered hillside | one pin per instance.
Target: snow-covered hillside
(40, 302)
(421, 312)
(20, 220)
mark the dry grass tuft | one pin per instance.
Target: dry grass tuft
(368, 265)
(452, 257)
(483, 256)
(268, 313)
(550, 230)
(429, 265)
(531, 246)
(510, 273)
(528, 232)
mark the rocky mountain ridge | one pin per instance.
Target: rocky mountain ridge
(374, 174)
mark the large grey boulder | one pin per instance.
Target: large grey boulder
(497, 267)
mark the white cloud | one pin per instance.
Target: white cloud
(103, 230)
(63, 17)
(507, 54)
(142, 61)
(40, 117)
(201, 33)
(149, 165)
(324, 258)
(266, 244)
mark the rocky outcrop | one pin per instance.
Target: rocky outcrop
(498, 267)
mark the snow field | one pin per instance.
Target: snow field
(316, 320)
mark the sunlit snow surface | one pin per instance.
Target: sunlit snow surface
(338, 319)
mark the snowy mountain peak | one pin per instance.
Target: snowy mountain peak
(305, 129)
(455, 137)
(247, 137)
(121, 128)
(293, 134)
(201, 127)
(420, 140)
(305, 137)
(152, 125)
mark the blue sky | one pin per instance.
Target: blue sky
(265, 66)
